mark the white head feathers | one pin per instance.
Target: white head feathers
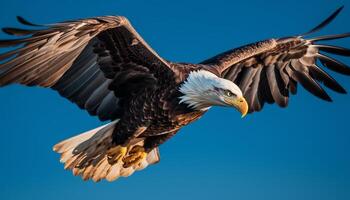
(202, 89)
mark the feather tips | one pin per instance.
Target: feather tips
(325, 22)
(334, 65)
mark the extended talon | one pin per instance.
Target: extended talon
(135, 157)
(116, 154)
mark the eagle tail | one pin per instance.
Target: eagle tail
(86, 155)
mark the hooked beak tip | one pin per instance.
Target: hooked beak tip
(242, 106)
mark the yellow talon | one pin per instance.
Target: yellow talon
(116, 154)
(135, 157)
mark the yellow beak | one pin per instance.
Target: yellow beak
(240, 104)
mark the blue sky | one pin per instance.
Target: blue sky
(301, 152)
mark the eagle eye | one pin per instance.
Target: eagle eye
(229, 93)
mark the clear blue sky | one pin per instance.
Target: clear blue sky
(301, 152)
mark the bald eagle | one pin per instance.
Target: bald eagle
(105, 67)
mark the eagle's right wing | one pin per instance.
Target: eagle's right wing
(80, 59)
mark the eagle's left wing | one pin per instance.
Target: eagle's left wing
(269, 70)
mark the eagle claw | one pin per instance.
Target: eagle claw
(116, 154)
(135, 157)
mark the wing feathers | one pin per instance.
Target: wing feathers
(311, 85)
(85, 84)
(330, 37)
(17, 42)
(97, 97)
(325, 22)
(264, 94)
(270, 72)
(25, 22)
(87, 91)
(18, 31)
(107, 107)
(252, 93)
(247, 76)
(280, 99)
(334, 65)
(322, 76)
(333, 49)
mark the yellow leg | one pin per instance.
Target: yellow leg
(135, 157)
(116, 154)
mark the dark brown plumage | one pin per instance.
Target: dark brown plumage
(104, 66)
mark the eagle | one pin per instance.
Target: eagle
(105, 67)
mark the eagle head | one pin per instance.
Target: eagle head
(203, 89)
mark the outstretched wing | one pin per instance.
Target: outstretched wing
(93, 62)
(268, 71)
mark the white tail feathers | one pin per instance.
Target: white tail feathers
(86, 155)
